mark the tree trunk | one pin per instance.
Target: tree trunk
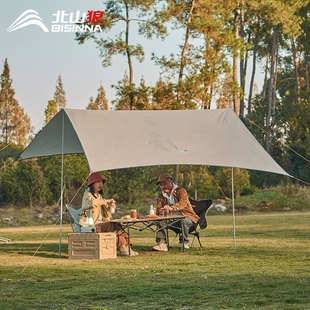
(207, 84)
(271, 86)
(129, 57)
(6, 111)
(182, 65)
(270, 93)
(253, 76)
(274, 93)
(236, 98)
(266, 76)
(307, 74)
(211, 95)
(243, 61)
(297, 79)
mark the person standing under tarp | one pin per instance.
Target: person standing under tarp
(93, 200)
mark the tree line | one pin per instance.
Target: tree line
(223, 45)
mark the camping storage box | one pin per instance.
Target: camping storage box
(92, 245)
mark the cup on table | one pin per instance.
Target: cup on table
(155, 211)
(166, 212)
(134, 214)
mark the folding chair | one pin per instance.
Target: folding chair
(75, 214)
(201, 208)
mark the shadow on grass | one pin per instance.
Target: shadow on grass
(51, 250)
(47, 250)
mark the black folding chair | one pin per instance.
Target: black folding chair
(200, 207)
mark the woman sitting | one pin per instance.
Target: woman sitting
(93, 200)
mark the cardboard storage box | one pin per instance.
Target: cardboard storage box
(92, 245)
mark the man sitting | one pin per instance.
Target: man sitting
(175, 200)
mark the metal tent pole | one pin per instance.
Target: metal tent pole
(62, 178)
(233, 203)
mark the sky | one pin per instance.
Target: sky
(36, 58)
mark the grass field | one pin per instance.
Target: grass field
(270, 270)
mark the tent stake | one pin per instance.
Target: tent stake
(233, 203)
(62, 178)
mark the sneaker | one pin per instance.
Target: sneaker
(186, 246)
(124, 251)
(133, 253)
(161, 246)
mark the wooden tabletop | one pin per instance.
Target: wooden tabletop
(149, 218)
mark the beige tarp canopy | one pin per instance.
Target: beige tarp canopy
(120, 139)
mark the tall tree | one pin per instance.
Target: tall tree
(255, 29)
(50, 111)
(179, 13)
(224, 92)
(142, 100)
(209, 61)
(31, 186)
(271, 88)
(188, 19)
(236, 96)
(91, 105)
(14, 122)
(101, 102)
(60, 95)
(202, 58)
(163, 96)
(125, 12)
(124, 91)
(58, 103)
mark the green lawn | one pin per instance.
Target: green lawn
(269, 271)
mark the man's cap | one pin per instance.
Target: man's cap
(163, 177)
(95, 177)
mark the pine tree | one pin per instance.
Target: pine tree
(129, 14)
(142, 96)
(60, 95)
(50, 111)
(91, 105)
(58, 103)
(14, 122)
(101, 102)
(123, 94)
(163, 96)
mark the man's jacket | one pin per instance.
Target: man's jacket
(181, 203)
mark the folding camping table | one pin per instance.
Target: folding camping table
(130, 226)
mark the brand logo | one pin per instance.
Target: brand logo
(28, 17)
(62, 22)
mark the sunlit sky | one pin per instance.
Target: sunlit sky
(36, 58)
